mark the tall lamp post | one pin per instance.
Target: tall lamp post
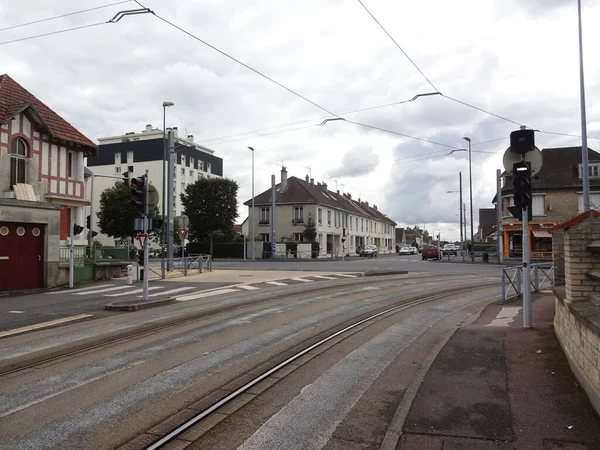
(470, 185)
(164, 187)
(252, 215)
(460, 210)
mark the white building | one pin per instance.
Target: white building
(334, 214)
(137, 152)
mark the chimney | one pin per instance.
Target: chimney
(190, 137)
(359, 200)
(367, 203)
(175, 131)
(349, 196)
(148, 127)
(375, 207)
(324, 185)
(283, 186)
(306, 179)
(338, 192)
(312, 181)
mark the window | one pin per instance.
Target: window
(208, 167)
(594, 201)
(298, 214)
(118, 170)
(200, 165)
(320, 216)
(123, 157)
(264, 237)
(117, 158)
(183, 171)
(350, 222)
(18, 160)
(70, 163)
(362, 224)
(357, 224)
(265, 214)
(129, 157)
(328, 218)
(298, 237)
(183, 186)
(538, 205)
(594, 170)
(191, 173)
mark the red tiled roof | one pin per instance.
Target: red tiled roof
(14, 97)
(575, 220)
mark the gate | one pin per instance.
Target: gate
(21, 256)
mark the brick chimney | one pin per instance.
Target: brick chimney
(284, 183)
(306, 179)
(312, 181)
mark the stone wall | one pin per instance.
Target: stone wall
(558, 257)
(579, 260)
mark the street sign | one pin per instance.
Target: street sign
(184, 220)
(153, 196)
(143, 239)
(274, 246)
(183, 232)
(534, 157)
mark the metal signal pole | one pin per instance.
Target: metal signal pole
(146, 259)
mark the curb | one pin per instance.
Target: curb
(384, 272)
(137, 306)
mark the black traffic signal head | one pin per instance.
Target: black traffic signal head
(522, 141)
(77, 229)
(522, 184)
(126, 179)
(138, 192)
(88, 221)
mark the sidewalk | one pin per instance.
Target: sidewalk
(496, 385)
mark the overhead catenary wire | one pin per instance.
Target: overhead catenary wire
(54, 32)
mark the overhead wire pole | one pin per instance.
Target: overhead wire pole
(584, 149)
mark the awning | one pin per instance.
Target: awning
(541, 234)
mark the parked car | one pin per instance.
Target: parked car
(404, 251)
(369, 250)
(449, 249)
(413, 250)
(430, 252)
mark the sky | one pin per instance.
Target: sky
(516, 59)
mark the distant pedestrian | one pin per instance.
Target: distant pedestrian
(398, 249)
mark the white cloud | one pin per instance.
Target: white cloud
(514, 58)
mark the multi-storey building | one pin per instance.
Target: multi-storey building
(334, 214)
(557, 196)
(42, 186)
(137, 152)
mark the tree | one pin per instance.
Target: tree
(117, 213)
(310, 229)
(211, 205)
(157, 237)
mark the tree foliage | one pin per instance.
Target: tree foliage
(117, 214)
(310, 229)
(211, 205)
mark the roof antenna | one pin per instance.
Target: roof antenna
(309, 168)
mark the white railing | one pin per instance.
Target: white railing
(540, 277)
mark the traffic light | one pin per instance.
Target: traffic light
(77, 229)
(138, 192)
(522, 141)
(522, 184)
(126, 178)
(88, 223)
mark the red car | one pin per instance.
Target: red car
(430, 252)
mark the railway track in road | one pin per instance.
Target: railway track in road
(90, 345)
(215, 404)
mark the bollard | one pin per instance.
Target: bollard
(129, 274)
(503, 285)
(519, 287)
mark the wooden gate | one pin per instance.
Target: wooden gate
(21, 256)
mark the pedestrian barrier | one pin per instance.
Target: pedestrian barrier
(176, 267)
(540, 276)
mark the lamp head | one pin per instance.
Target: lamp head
(166, 104)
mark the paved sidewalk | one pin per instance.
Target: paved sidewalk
(496, 385)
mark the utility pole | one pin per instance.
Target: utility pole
(527, 319)
(146, 259)
(71, 250)
(252, 216)
(461, 216)
(273, 240)
(499, 211)
(169, 194)
(584, 149)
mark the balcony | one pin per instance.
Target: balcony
(264, 222)
(297, 221)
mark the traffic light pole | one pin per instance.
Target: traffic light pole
(169, 194)
(71, 251)
(527, 321)
(146, 259)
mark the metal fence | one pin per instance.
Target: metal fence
(177, 267)
(95, 254)
(540, 277)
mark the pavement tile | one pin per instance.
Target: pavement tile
(419, 442)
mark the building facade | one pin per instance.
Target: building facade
(137, 152)
(343, 225)
(557, 196)
(42, 188)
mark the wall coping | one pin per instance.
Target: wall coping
(28, 204)
(576, 220)
(586, 311)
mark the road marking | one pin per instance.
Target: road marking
(136, 291)
(99, 291)
(68, 291)
(185, 298)
(37, 326)
(322, 277)
(505, 316)
(304, 280)
(248, 287)
(347, 275)
(276, 283)
(15, 312)
(170, 291)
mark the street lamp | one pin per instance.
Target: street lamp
(470, 183)
(164, 187)
(460, 210)
(252, 215)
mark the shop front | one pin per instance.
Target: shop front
(540, 240)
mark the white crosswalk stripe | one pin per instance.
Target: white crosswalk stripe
(323, 277)
(346, 275)
(70, 291)
(170, 291)
(248, 287)
(304, 280)
(136, 291)
(99, 291)
(186, 298)
(276, 283)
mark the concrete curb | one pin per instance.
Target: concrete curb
(378, 273)
(138, 305)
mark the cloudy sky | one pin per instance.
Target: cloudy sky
(517, 59)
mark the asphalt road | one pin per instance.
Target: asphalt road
(89, 299)
(343, 395)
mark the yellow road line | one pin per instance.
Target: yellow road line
(37, 326)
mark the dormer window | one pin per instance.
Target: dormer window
(18, 159)
(594, 170)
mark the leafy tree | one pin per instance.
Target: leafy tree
(157, 237)
(310, 229)
(211, 205)
(117, 214)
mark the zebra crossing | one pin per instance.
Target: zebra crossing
(119, 290)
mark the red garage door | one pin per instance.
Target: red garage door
(21, 256)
